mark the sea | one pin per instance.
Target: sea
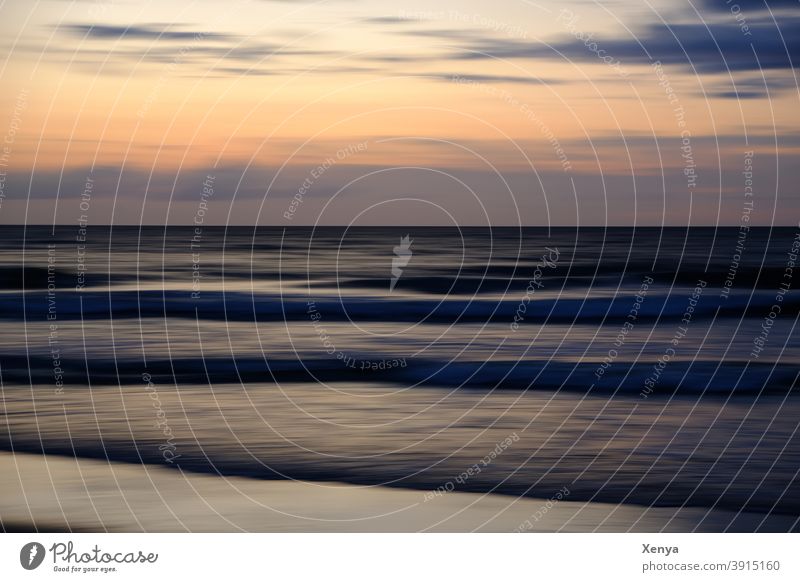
(655, 367)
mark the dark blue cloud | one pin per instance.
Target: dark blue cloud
(141, 32)
(706, 48)
(387, 20)
(756, 87)
(480, 78)
(204, 51)
(752, 5)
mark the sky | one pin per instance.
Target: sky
(348, 112)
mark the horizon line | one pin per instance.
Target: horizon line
(402, 226)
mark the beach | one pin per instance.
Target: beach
(57, 494)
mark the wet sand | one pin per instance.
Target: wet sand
(55, 493)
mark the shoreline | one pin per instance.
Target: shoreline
(50, 493)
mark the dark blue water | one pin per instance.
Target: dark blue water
(640, 366)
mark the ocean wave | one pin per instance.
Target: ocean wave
(623, 378)
(611, 450)
(242, 306)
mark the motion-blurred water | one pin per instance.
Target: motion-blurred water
(645, 366)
